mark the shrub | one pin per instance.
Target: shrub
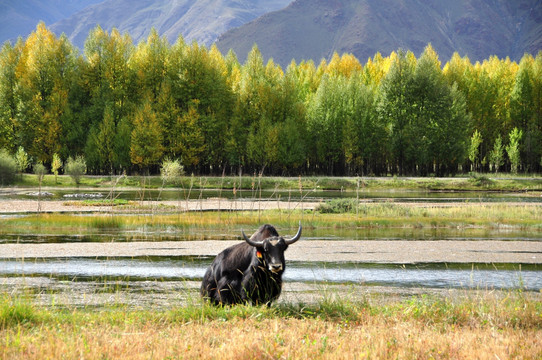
(338, 206)
(8, 167)
(479, 180)
(513, 150)
(171, 170)
(22, 160)
(76, 168)
(56, 165)
(40, 171)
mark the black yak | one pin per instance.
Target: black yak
(249, 272)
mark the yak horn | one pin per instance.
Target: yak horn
(250, 241)
(295, 238)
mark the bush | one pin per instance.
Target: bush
(40, 170)
(8, 167)
(22, 160)
(338, 206)
(76, 168)
(171, 171)
(479, 180)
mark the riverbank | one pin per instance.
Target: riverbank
(374, 251)
(299, 184)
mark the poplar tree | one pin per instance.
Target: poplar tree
(512, 149)
(9, 129)
(395, 109)
(146, 138)
(44, 73)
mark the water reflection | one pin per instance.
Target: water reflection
(283, 195)
(358, 234)
(479, 276)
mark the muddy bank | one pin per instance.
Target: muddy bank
(375, 251)
(155, 294)
(65, 206)
(210, 204)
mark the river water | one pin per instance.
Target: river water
(180, 268)
(472, 276)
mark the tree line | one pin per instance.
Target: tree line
(128, 108)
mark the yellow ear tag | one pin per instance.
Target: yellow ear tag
(258, 254)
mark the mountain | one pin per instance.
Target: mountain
(200, 20)
(20, 17)
(314, 29)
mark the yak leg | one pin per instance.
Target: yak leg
(226, 293)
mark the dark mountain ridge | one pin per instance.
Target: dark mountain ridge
(315, 29)
(199, 20)
(19, 18)
(302, 30)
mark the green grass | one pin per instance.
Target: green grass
(106, 222)
(19, 311)
(471, 182)
(103, 202)
(508, 309)
(507, 325)
(371, 215)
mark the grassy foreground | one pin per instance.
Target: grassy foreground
(482, 326)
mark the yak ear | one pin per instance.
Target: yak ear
(250, 241)
(296, 236)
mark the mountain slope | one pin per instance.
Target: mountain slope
(200, 20)
(314, 29)
(19, 18)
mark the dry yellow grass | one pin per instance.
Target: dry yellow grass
(486, 326)
(373, 337)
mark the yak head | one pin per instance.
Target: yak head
(270, 251)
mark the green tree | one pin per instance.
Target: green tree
(110, 85)
(170, 171)
(8, 167)
(105, 141)
(290, 122)
(326, 116)
(474, 149)
(496, 156)
(481, 99)
(200, 83)
(189, 143)
(122, 145)
(9, 58)
(512, 149)
(146, 140)
(56, 165)
(44, 73)
(39, 170)
(438, 130)
(248, 85)
(396, 111)
(22, 160)
(76, 168)
(521, 102)
(523, 113)
(149, 63)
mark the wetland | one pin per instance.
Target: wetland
(68, 240)
(396, 268)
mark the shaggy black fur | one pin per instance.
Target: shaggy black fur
(246, 274)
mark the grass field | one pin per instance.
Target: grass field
(484, 326)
